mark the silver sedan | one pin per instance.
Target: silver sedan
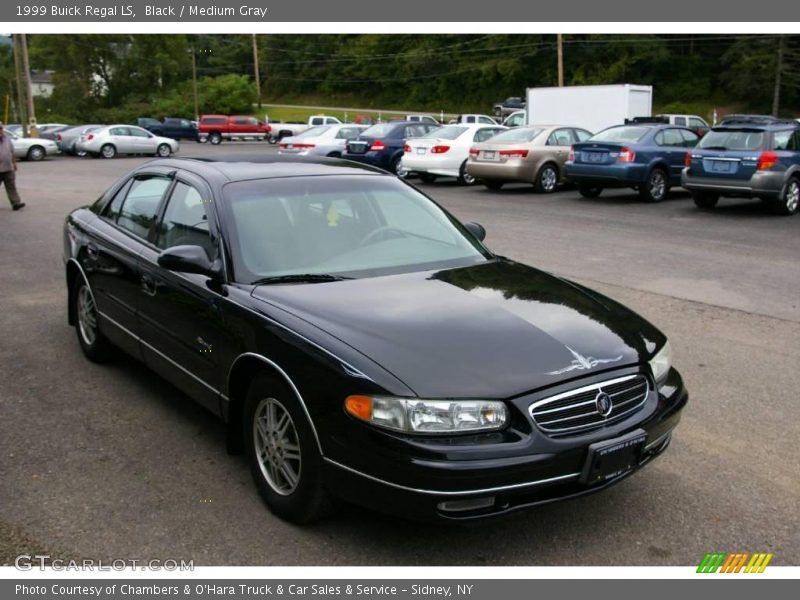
(325, 140)
(33, 148)
(111, 140)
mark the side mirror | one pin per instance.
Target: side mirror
(189, 259)
(477, 230)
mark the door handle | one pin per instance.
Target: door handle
(149, 285)
(92, 251)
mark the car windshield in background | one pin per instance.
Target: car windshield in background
(379, 130)
(445, 133)
(313, 132)
(520, 134)
(620, 134)
(732, 139)
(345, 226)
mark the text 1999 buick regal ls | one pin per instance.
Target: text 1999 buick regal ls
(362, 344)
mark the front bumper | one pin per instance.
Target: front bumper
(490, 474)
(606, 176)
(763, 184)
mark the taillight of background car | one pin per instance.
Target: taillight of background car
(439, 149)
(767, 160)
(516, 153)
(377, 146)
(474, 152)
(406, 148)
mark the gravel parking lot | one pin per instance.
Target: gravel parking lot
(112, 462)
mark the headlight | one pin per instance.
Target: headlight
(413, 415)
(661, 362)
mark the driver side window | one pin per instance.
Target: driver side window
(185, 221)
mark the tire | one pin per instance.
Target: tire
(588, 191)
(163, 150)
(655, 187)
(546, 179)
(36, 153)
(94, 344)
(465, 178)
(108, 151)
(788, 202)
(214, 138)
(493, 184)
(81, 153)
(705, 200)
(286, 466)
(272, 139)
(427, 177)
(397, 168)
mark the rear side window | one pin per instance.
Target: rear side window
(680, 121)
(783, 140)
(560, 137)
(119, 131)
(141, 204)
(669, 137)
(582, 135)
(690, 138)
(487, 132)
(413, 131)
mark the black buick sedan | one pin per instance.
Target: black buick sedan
(362, 344)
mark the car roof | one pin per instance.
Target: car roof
(258, 166)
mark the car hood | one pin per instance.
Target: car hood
(496, 330)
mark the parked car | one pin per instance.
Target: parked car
(361, 343)
(382, 145)
(749, 158)
(484, 119)
(279, 131)
(68, 138)
(515, 119)
(110, 140)
(646, 156)
(324, 140)
(50, 132)
(215, 128)
(176, 128)
(33, 149)
(508, 106)
(444, 151)
(422, 119)
(532, 154)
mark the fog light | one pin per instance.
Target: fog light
(465, 505)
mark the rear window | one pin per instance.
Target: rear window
(446, 133)
(733, 139)
(520, 134)
(620, 134)
(313, 132)
(380, 130)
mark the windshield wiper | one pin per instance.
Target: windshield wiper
(300, 278)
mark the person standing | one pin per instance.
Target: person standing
(8, 169)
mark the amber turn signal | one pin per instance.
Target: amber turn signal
(359, 406)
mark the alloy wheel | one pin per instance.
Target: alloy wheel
(277, 446)
(87, 316)
(658, 185)
(548, 179)
(792, 198)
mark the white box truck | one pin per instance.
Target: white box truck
(593, 107)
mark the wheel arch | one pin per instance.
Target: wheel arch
(244, 369)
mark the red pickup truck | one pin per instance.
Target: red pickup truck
(215, 128)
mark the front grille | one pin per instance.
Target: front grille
(576, 411)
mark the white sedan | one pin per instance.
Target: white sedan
(444, 151)
(33, 148)
(111, 140)
(324, 140)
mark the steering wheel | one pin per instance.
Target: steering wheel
(372, 236)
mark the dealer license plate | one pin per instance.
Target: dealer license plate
(722, 166)
(421, 150)
(612, 458)
(490, 155)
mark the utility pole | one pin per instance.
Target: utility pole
(776, 97)
(23, 118)
(560, 60)
(255, 62)
(194, 87)
(26, 72)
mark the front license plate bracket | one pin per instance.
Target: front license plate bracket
(611, 458)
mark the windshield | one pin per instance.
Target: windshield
(520, 134)
(448, 132)
(620, 134)
(313, 132)
(353, 226)
(732, 139)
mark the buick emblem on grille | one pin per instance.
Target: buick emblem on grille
(603, 403)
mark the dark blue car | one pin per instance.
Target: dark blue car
(747, 157)
(382, 145)
(648, 157)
